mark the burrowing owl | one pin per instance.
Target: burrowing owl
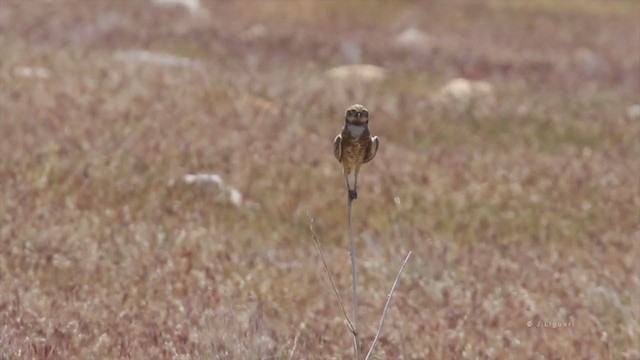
(354, 146)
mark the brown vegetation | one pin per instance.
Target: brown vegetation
(525, 208)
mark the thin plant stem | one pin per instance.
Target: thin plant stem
(328, 271)
(295, 344)
(352, 252)
(386, 306)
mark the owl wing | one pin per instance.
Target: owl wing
(337, 147)
(372, 149)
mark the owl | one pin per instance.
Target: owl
(354, 145)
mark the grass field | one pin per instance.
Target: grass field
(521, 204)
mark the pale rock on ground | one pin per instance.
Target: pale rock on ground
(357, 72)
(192, 6)
(463, 94)
(413, 38)
(31, 72)
(154, 58)
(633, 111)
(233, 194)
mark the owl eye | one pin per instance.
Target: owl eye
(365, 113)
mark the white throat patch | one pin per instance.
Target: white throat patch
(356, 130)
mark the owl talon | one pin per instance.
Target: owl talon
(353, 194)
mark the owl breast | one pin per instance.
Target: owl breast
(354, 151)
(356, 130)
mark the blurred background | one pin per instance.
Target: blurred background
(158, 160)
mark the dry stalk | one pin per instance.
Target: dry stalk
(328, 271)
(354, 288)
(295, 344)
(386, 307)
(353, 326)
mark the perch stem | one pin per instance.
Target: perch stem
(354, 289)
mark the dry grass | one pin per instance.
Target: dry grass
(525, 210)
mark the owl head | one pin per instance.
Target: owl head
(357, 115)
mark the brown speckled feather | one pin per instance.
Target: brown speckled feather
(353, 150)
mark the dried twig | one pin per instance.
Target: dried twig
(328, 271)
(295, 344)
(386, 306)
(352, 253)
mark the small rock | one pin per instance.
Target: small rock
(413, 38)
(31, 72)
(462, 93)
(193, 6)
(633, 111)
(234, 195)
(362, 72)
(203, 179)
(155, 58)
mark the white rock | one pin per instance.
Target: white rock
(31, 72)
(193, 6)
(234, 195)
(362, 72)
(203, 179)
(462, 93)
(154, 58)
(413, 38)
(633, 111)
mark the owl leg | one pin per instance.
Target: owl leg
(352, 193)
(346, 181)
(355, 184)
